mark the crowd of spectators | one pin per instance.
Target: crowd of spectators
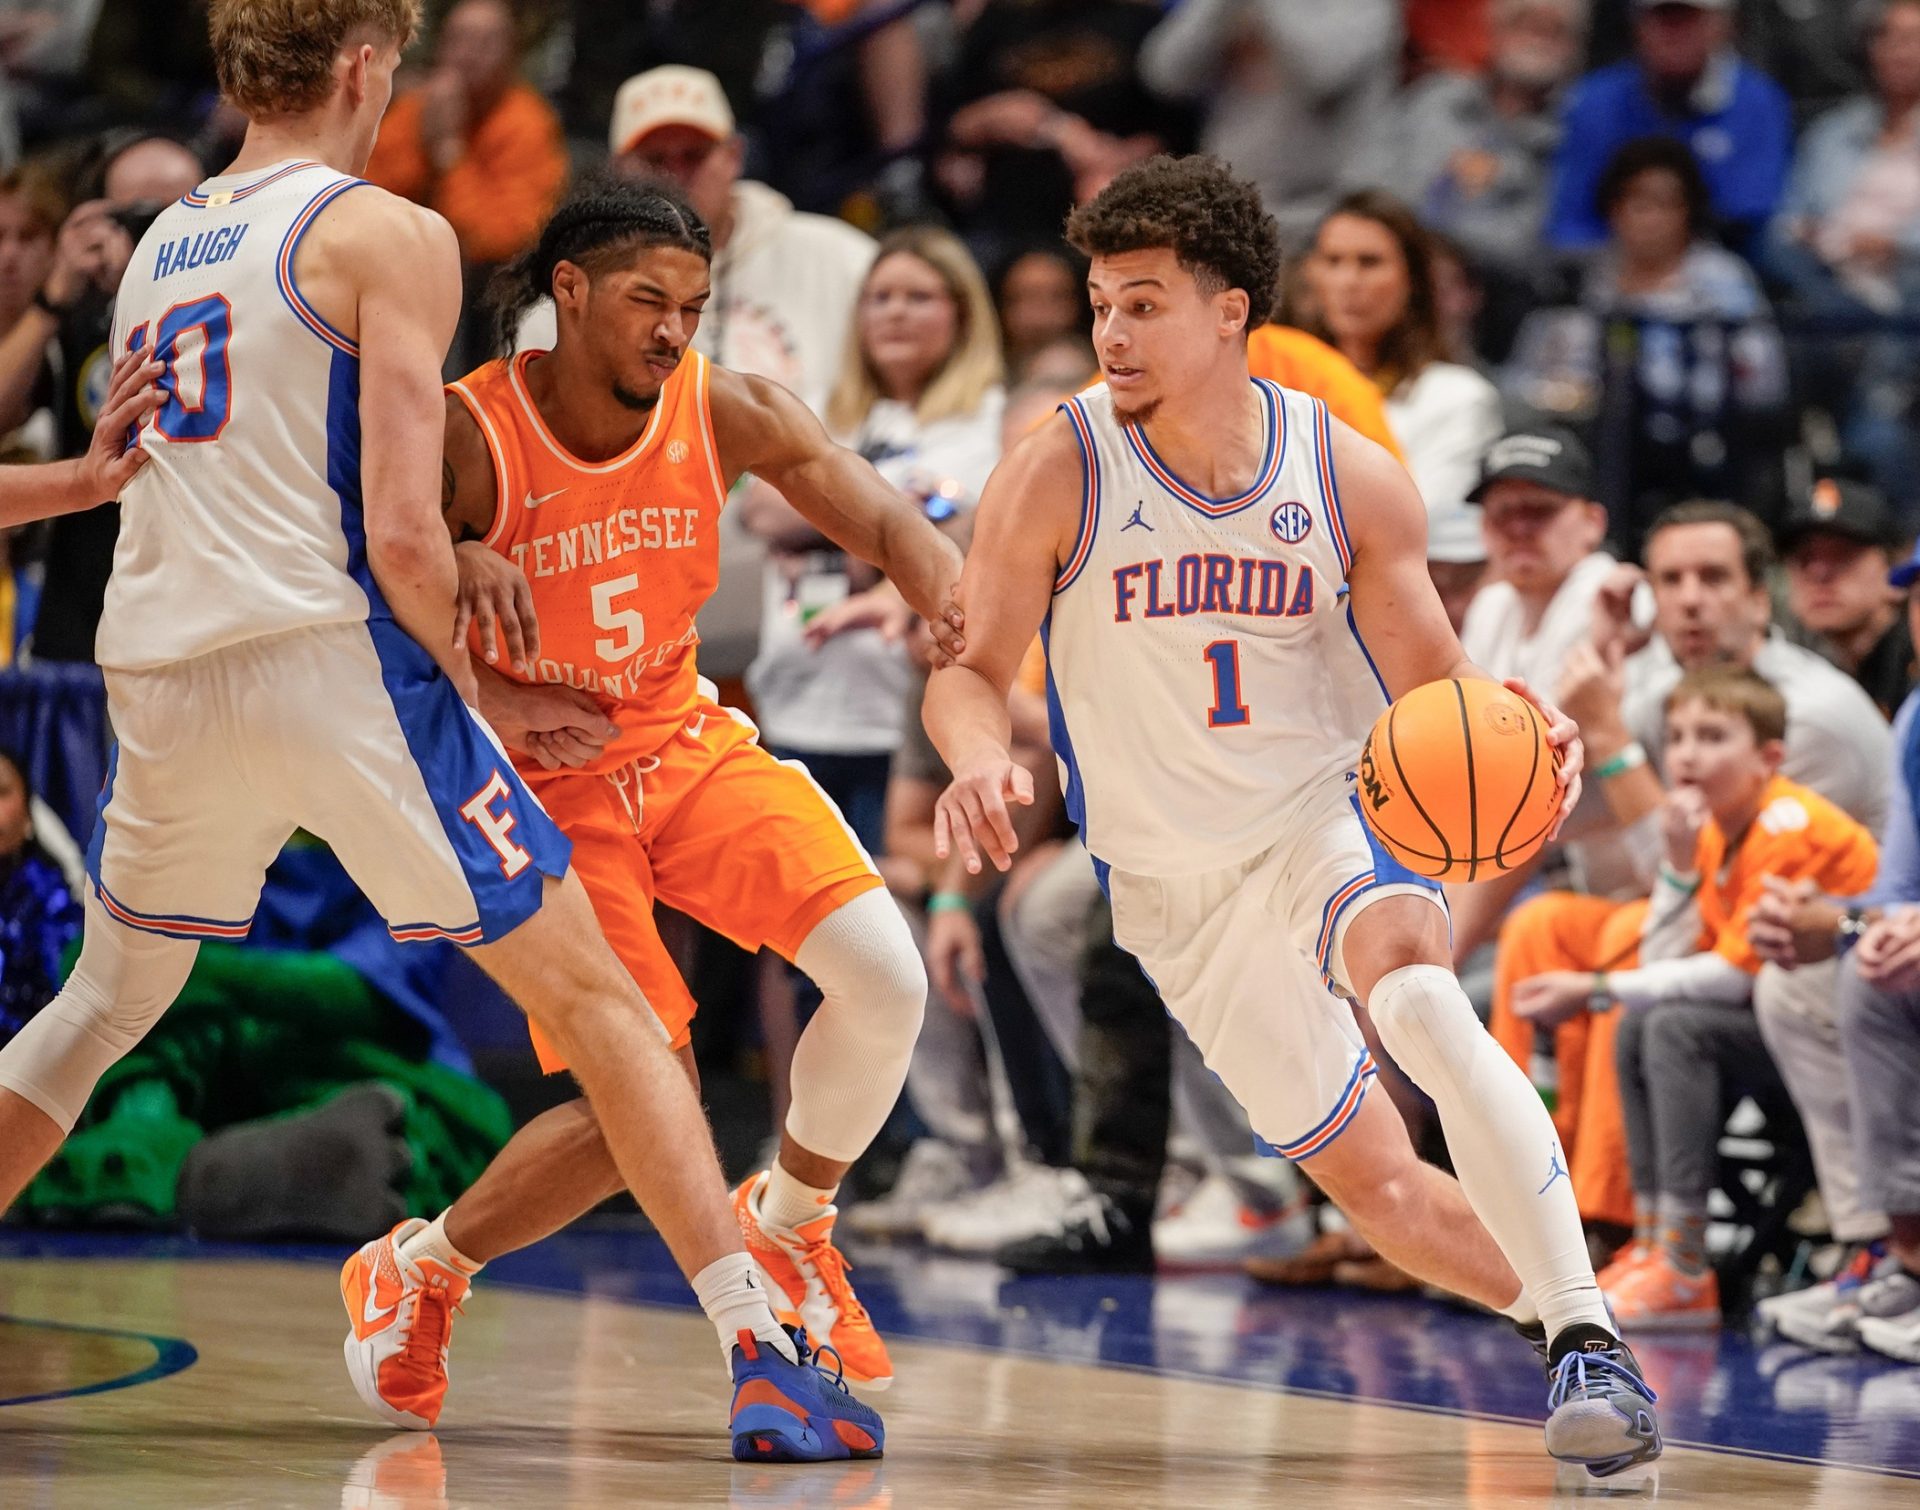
(1628, 284)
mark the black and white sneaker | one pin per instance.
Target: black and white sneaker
(1094, 1236)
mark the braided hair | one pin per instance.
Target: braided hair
(603, 222)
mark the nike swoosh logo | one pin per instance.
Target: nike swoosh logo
(372, 1315)
(534, 503)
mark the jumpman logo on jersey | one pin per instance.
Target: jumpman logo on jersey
(1555, 1170)
(1139, 510)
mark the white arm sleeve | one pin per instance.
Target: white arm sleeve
(1698, 977)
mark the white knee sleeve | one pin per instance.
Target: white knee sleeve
(122, 982)
(1504, 1147)
(852, 1060)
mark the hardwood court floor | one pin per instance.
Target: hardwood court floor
(593, 1401)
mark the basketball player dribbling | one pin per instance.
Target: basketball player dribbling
(1212, 679)
(277, 643)
(585, 484)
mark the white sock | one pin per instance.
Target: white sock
(730, 1293)
(785, 1203)
(1505, 1151)
(431, 1242)
(1523, 1310)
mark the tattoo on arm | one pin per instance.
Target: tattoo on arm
(462, 532)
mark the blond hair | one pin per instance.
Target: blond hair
(275, 57)
(1738, 693)
(973, 367)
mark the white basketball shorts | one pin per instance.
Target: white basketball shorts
(348, 731)
(1249, 960)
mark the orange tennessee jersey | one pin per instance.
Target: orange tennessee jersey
(620, 554)
(1798, 835)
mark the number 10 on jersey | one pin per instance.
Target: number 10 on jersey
(1228, 711)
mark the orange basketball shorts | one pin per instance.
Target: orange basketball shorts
(713, 826)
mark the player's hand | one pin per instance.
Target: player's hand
(115, 453)
(1888, 953)
(495, 595)
(1570, 755)
(1553, 998)
(1683, 813)
(954, 957)
(971, 814)
(561, 727)
(1791, 924)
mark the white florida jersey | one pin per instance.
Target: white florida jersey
(1203, 668)
(246, 522)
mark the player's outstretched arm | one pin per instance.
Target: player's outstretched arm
(1396, 609)
(763, 429)
(1027, 522)
(399, 266)
(66, 487)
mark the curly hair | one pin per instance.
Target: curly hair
(1656, 154)
(1212, 222)
(601, 223)
(275, 57)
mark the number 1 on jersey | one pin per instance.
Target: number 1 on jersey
(1227, 711)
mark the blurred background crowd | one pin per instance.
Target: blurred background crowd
(1632, 289)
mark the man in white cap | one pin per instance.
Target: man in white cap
(784, 282)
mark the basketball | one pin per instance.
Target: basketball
(1457, 780)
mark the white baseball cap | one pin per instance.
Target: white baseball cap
(671, 95)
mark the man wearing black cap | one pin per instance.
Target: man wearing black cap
(1545, 567)
(1840, 542)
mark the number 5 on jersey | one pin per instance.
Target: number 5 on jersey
(191, 344)
(629, 625)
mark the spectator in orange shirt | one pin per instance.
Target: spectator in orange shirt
(1293, 359)
(474, 141)
(1689, 1044)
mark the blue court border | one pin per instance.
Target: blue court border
(171, 1355)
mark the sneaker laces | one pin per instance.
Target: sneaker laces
(833, 1268)
(430, 1329)
(808, 1354)
(1571, 1378)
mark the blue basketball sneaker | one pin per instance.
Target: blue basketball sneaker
(1600, 1411)
(796, 1412)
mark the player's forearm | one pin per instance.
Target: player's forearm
(40, 492)
(966, 718)
(920, 561)
(416, 574)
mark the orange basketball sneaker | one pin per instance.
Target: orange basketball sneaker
(401, 1315)
(808, 1277)
(1658, 1295)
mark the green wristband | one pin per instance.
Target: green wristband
(1633, 756)
(948, 901)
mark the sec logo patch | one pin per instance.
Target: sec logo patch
(677, 451)
(1291, 522)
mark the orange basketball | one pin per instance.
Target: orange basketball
(1458, 782)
